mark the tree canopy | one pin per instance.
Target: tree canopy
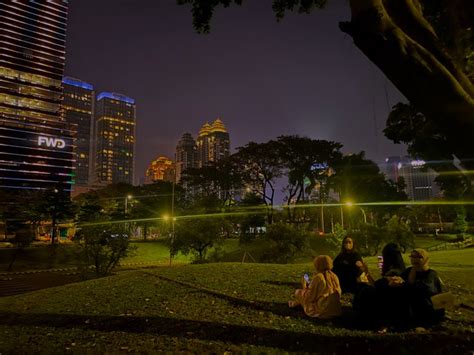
(425, 48)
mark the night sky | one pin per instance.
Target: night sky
(263, 78)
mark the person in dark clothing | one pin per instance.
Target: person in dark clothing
(390, 303)
(393, 264)
(348, 266)
(422, 283)
(386, 303)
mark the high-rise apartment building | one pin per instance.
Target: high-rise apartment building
(186, 155)
(160, 169)
(115, 119)
(419, 180)
(36, 144)
(78, 106)
(213, 143)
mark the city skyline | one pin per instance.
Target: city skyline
(321, 87)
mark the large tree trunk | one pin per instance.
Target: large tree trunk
(396, 37)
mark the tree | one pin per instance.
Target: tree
(103, 243)
(218, 181)
(308, 163)
(250, 223)
(460, 225)
(285, 241)
(151, 201)
(423, 46)
(103, 246)
(369, 238)
(260, 166)
(55, 205)
(359, 180)
(426, 140)
(399, 232)
(196, 236)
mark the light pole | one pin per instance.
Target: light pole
(128, 197)
(342, 217)
(173, 218)
(350, 204)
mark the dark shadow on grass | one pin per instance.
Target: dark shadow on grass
(347, 320)
(293, 285)
(238, 334)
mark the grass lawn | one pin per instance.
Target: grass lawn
(214, 308)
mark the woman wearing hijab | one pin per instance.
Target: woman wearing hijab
(422, 283)
(322, 297)
(348, 266)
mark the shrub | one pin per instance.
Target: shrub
(369, 239)
(399, 232)
(196, 236)
(335, 239)
(285, 241)
(103, 247)
(460, 224)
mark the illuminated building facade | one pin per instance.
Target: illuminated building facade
(78, 106)
(160, 169)
(36, 143)
(115, 119)
(186, 155)
(213, 143)
(419, 180)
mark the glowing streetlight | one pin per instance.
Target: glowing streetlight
(128, 197)
(350, 204)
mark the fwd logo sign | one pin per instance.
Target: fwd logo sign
(51, 142)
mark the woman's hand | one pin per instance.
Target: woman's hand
(359, 264)
(395, 281)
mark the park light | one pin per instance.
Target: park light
(166, 217)
(349, 203)
(129, 197)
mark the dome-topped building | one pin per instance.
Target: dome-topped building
(218, 126)
(205, 129)
(213, 142)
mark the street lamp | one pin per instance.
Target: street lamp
(129, 197)
(350, 204)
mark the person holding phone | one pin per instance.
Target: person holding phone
(321, 297)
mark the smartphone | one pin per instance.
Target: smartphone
(380, 261)
(306, 278)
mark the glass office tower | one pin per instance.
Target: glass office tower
(115, 117)
(78, 106)
(36, 143)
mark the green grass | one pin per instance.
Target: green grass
(211, 308)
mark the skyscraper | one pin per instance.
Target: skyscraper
(213, 143)
(115, 119)
(186, 155)
(78, 105)
(419, 180)
(36, 144)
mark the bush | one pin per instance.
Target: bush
(335, 239)
(285, 241)
(399, 232)
(369, 239)
(103, 247)
(460, 224)
(197, 236)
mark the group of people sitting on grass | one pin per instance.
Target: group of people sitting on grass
(401, 299)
